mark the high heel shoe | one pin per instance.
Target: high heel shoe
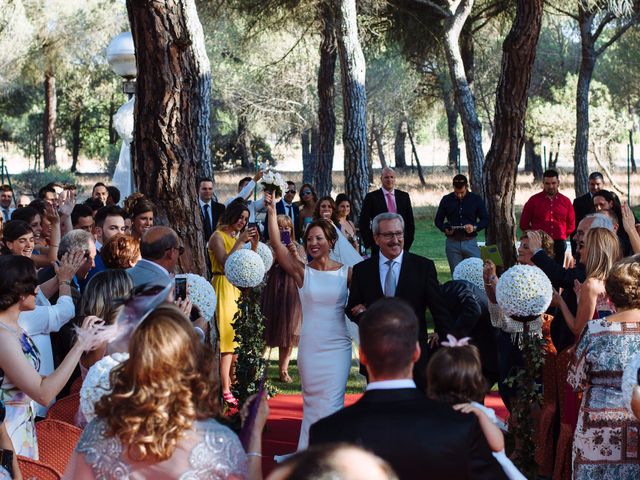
(230, 399)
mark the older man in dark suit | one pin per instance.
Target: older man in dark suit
(419, 437)
(394, 272)
(386, 199)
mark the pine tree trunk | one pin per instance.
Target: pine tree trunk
(322, 177)
(354, 98)
(244, 143)
(452, 128)
(75, 143)
(471, 127)
(585, 74)
(400, 158)
(307, 160)
(377, 137)
(519, 52)
(532, 159)
(171, 116)
(50, 115)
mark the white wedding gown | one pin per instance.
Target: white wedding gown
(324, 352)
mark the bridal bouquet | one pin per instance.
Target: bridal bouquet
(244, 268)
(97, 383)
(201, 294)
(265, 254)
(273, 182)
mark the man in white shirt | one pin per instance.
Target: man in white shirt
(6, 197)
(396, 421)
(246, 188)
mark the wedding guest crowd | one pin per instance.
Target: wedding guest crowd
(83, 281)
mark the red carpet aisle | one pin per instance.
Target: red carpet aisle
(285, 416)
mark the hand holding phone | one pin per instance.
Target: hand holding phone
(285, 237)
(180, 291)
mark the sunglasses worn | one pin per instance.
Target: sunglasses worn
(306, 192)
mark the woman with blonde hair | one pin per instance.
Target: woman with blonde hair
(598, 252)
(158, 421)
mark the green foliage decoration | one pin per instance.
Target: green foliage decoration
(529, 398)
(248, 324)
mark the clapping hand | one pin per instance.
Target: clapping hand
(66, 202)
(51, 213)
(535, 240)
(68, 265)
(89, 337)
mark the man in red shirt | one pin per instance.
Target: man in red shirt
(551, 212)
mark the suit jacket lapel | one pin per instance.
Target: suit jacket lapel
(374, 272)
(405, 273)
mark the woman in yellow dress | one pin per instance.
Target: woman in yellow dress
(230, 236)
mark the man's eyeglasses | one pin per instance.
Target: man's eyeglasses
(180, 249)
(390, 235)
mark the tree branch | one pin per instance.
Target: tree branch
(603, 23)
(616, 35)
(440, 10)
(563, 11)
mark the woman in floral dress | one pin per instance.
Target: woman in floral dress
(606, 438)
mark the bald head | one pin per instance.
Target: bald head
(157, 241)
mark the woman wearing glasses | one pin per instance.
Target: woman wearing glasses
(308, 199)
(230, 236)
(324, 355)
(20, 358)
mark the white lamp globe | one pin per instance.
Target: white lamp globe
(121, 55)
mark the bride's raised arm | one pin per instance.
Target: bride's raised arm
(285, 255)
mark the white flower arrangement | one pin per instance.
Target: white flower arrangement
(470, 269)
(265, 254)
(524, 291)
(201, 293)
(630, 381)
(97, 383)
(244, 268)
(273, 182)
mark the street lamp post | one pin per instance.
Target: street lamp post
(121, 56)
(122, 60)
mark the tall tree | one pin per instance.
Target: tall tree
(323, 165)
(171, 115)
(354, 100)
(594, 17)
(519, 51)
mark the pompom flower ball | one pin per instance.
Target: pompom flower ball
(244, 268)
(265, 254)
(97, 383)
(201, 293)
(524, 291)
(470, 269)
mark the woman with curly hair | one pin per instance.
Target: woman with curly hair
(120, 252)
(159, 419)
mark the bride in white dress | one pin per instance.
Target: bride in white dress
(324, 351)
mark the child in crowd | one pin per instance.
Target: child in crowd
(455, 377)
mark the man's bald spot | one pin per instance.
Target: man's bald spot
(157, 233)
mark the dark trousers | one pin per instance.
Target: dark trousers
(559, 248)
(509, 361)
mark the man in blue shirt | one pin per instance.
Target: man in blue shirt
(465, 214)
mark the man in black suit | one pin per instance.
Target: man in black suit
(419, 437)
(583, 205)
(394, 272)
(210, 212)
(286, 207)
(386, 199)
